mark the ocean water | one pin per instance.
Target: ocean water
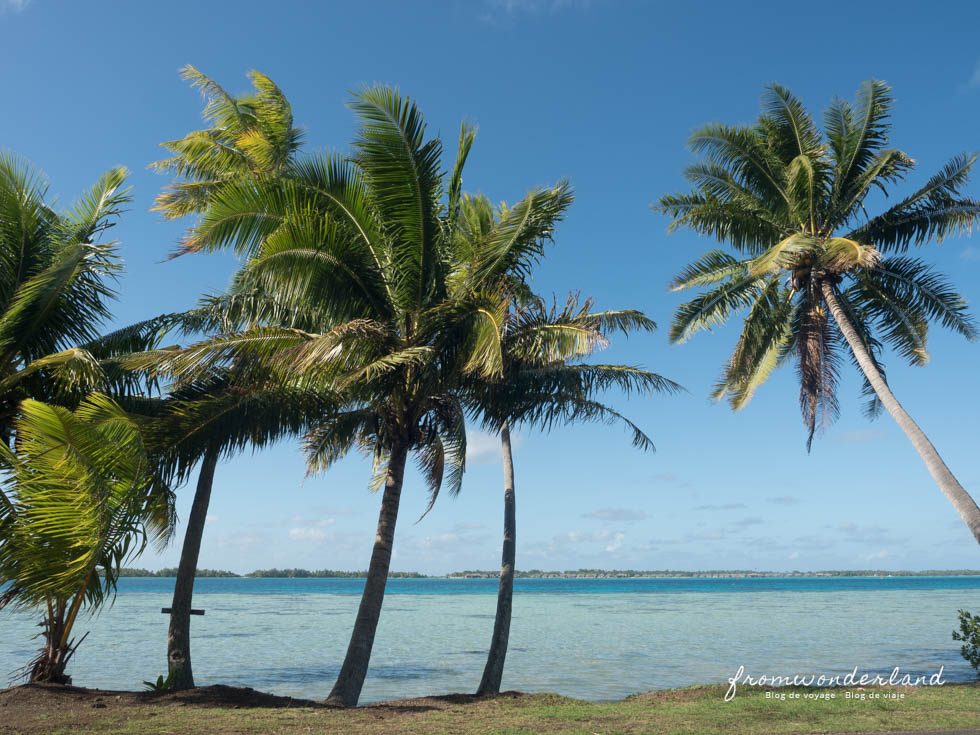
(598, 639)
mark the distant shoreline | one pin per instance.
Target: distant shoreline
(569, 574)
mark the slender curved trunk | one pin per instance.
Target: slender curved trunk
(347, 690)
(179, 635)
(951, 488)
(494, 670)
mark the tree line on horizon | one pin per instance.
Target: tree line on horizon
(171, 572)
(379, 307)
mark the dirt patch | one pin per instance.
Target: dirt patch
(31, 708)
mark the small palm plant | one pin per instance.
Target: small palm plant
(80, 496)
(815, 271)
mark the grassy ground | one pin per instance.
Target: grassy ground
(699, 710)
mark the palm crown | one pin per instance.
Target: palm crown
(251, 135)
(539, 378)
(791, 201)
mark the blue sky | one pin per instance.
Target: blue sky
(605, 94)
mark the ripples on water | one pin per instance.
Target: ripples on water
(593, 639)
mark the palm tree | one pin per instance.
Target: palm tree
(251, 137)
(540, 380)
(817, 270)
(80, 497)
(359, 250)
(54, 289)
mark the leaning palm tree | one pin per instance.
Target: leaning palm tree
(816, 270)
(250, 137)
(541, 381)
(80, 497)
(361, 249)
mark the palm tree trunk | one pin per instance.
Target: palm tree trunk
(951, 488)
(179, 635)
(347, 690)
(494, 670)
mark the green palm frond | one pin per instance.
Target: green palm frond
(855, 135)
(916, 283)
(517, 239)
(766, 335)
(937, 210)
(713, 267)
(728, 222)
(714, 307)
(467, 134)
(403, 171)
(82, 497)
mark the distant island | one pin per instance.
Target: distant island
(568, 574)
(172, 572)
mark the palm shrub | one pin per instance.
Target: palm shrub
(814, 270)
(80, 496)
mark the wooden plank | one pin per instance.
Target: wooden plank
(193, 611)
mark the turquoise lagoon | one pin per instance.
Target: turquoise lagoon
(598, 639)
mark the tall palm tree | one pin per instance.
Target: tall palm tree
(250, 137)
(360, 249)
(540, 380)
(80, 496)
(816, 270)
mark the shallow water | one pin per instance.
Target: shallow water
(593, 639)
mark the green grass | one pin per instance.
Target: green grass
(698, 710)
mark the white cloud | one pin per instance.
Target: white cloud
(617, 542)
(504, 11)
(324, 522)
(307, 534)
(616, 514)
(750, 521)
(783, 500)
(727, 506)
(484, 448)
(870, 535)
(974, 82)
(513, 7)
(970, 252)
(14, 6)
(242, 541)
(468, 527)
(795, 555)
(208, 520)
(877, 555)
